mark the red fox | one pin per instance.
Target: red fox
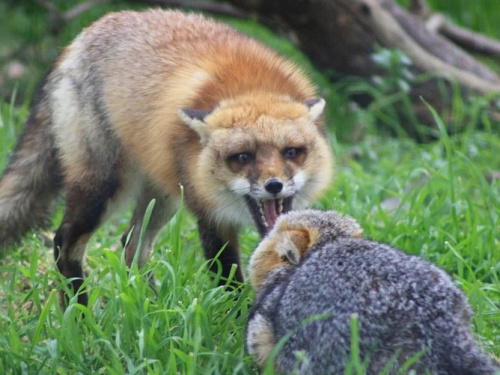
(141, 103)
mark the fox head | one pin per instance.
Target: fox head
(261, 156)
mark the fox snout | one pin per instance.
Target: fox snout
(269, 199)
(276, 187)
(273, 186)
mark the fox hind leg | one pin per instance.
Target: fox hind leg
(87, 199)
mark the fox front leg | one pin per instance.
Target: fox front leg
(213, 240)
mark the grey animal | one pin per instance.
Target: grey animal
(314, 265)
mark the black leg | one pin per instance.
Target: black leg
(85, 206)
(213, 240)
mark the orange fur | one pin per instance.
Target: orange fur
(271, 252)
(142, 103)
(201, 64)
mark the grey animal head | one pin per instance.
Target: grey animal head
(323, 226)
(293, 235)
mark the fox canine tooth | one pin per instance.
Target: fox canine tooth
(261, 209)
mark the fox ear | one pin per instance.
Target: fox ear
(195, 119)
(316, 107)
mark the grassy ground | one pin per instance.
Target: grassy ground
(440, 201)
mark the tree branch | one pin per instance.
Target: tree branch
(59, 18)
(467, 39)
(215, 8)
(81, 8)
(437, 44)
(419, 8)
(393, 35)
(51, 8)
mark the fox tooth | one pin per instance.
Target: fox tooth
(261, 209)
(280, 206)
(264, 221)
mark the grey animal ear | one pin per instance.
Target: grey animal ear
(195, 119)
(341, 225)
(291, 253)
(294, 244)
(316, 107)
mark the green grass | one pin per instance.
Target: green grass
(434, 200)
(448, 213)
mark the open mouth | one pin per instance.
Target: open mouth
(265, 213)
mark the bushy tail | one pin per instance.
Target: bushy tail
(32, 179)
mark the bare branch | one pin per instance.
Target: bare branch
(393, 35)
(419, 8)
(436, 44)
(471, 41)
(81, 8)
(59, 18)
(492, 176)
(51, 8)
(216, 8)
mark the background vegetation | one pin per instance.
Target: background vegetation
(439, 200)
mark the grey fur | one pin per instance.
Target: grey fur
(405, 305)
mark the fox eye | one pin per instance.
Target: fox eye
(241, 158)
(292, 152)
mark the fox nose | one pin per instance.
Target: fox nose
(273, 186)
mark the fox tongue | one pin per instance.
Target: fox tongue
(270, 212)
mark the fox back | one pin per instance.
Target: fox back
(142, 104)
